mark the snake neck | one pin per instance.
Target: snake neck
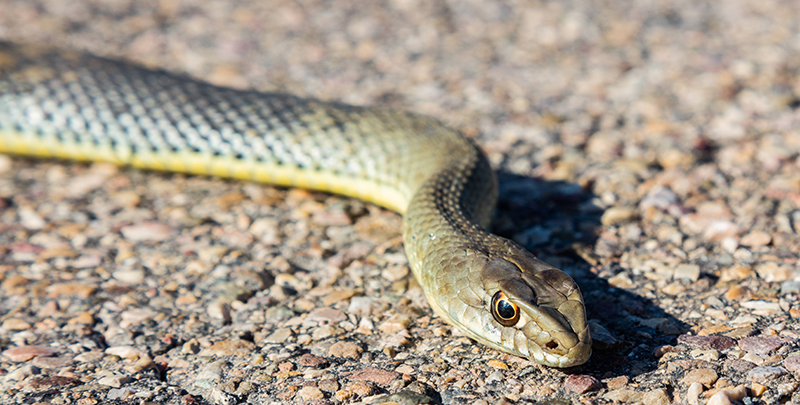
(450, 211)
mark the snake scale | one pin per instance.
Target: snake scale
(71, 105)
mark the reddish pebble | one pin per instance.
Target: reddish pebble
(326, 315)
(581, 384)
(25, 353)
(285, 367)
(792, 364)
(309, 360)
(25, 248)
(760, 344)
(765, 373)
(707, 342)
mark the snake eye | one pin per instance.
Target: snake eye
(503, 310)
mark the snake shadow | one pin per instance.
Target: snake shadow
(559, 222)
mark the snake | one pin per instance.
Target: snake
(67, 104)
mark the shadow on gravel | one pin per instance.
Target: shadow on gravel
(558, 222)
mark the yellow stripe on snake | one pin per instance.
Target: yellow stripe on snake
(81, 107)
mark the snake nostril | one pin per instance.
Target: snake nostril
(551, 345)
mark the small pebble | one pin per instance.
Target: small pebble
(363, 306)
(372, 374)
(772, 272)
(31, 220)
(659, 197)
(757, 389)
(708, 342)
(693, 393)
(224, 348)
(115, 381)
(621, 280)
(581, 384)
(324, 332)
(360, 388)
(22, 372)
(326, 315)
(83, 318)
(345, 349)
(601, 336)
(90, 357)
(728, 396)
(15, 324)
(395, 273)
(730, 244)
(212, 372)
(792, 364)
(790, 287)
(704, 376)
(87, 261)
(756, 239)
(673, 289)
(618, 382)
(136, 316)
(497, 364)
(658, 396)
(279, 336)
(787, 388)
(405, 397)
(51, 362)
(126, 352)
(624, 395)
(120, 393)
(689, 272)
(760, 344)
(394, 324)
(146, 232)
(6, 164)
(310, 360)
(220, 311)
(617, 215)
(764, 373)
(737, 293)
(337, 296)
(129, 276)
(25, 353)
(310, 393)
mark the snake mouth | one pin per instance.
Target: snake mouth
(555, 353)
(575, 356)
(557, 337)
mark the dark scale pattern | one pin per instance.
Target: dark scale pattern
(81, 98)
(447, 188)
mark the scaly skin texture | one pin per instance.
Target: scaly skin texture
(80, 107)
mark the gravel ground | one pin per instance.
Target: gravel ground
(648, 148)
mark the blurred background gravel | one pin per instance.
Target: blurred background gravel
(649, 148)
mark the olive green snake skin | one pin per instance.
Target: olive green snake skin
(75, 106)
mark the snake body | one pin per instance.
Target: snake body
(76, 106)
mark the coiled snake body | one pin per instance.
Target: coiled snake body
(80, 107)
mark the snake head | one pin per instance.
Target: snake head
(537, 311)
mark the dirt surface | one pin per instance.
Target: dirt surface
(650, 149)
